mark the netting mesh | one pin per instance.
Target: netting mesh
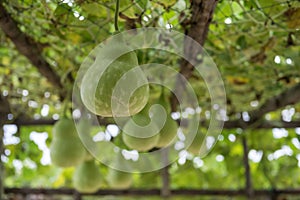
(254, 44)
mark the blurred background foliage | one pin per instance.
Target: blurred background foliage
(255, 45)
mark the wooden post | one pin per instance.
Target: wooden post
(165, 190)
(77, 196)
(1, 164)
(4, 111)
(248, 185)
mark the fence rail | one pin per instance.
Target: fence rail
(153, 192)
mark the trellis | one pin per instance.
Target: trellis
(165, 190)
(197, 28)
(272, 194)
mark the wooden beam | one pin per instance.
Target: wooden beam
(228, 124)
(153, 192)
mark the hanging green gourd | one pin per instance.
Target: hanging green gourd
(168, 132)
(112, 69)
(66, 149)
(87, 177)
(84, 130)
(118, 179)
(140, 133)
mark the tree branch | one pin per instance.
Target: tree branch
(196, 28)
(202, 14)
(288, 97)
(27, 46)
(261, 125)
(4, 108)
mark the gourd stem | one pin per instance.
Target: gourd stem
(64, 114)
(117, 15)
(162, 91)
(65, 104)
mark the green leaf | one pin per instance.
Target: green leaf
(94, 9)
(132, 10)
(242, 42)
(61, 9)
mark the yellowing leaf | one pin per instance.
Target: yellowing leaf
(60, 181)
(166, 3)
(237, 80)
(5, 60)
(293, 16)
(75, 38)
(236, 150)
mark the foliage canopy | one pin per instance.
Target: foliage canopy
(255, 45)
